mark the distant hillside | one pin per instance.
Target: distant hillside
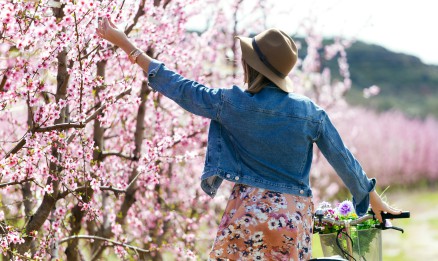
(406, 83)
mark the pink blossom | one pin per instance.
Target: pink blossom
(48, 189)
(371, 91)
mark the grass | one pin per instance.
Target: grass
(420, 240)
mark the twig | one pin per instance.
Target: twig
(118, 154)
(61, 126)
(140, 12)
(66, 239)
(2, 185)
(17, 147)
(84, 188)
(90, 52)
(3, 83)
(113, 189)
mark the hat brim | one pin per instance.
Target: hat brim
(251, 58)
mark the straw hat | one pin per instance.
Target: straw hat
(272, 53)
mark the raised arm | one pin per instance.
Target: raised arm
(109, 31)
(190, 95)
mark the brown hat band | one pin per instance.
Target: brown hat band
(264, 60)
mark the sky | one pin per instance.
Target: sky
(401, 26)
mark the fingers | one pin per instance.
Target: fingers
(394, 211)
(98, 32)
(108, 30)
(379, 216)
(99, 28)
(111, 23)
(102, 27)
(389, 210)
(105, 24)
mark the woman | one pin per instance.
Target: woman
(261, 139)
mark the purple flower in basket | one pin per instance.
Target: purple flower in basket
(345, 207)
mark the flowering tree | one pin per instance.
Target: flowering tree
(394, 148)
(92, 162)
(89, 153)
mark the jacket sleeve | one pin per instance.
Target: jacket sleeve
(190, 95)
(345, 165)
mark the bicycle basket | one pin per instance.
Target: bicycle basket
(367, 244)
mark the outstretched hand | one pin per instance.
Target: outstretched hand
(378, 206)
(109, 31)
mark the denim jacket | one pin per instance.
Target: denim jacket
(265, 139)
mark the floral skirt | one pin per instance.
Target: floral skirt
(264, 225)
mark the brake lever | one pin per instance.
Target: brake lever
(383, 226)
(397, 228)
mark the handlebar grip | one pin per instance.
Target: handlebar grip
(404, 214)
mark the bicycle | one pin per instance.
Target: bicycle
(350, 243)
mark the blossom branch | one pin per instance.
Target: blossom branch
(2, 185)
(3, 83)
(113, 189)
(140, 12)
(81, 89)
(117, 243)
(101, 108)
(81, 189)
(61, 126)
(90, 52)
(17, 147)
(118, 154)
(68, 191)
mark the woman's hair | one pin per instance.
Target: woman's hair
(256, 81)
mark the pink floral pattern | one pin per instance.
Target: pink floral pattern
(264, 225)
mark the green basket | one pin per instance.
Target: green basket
(367, 244)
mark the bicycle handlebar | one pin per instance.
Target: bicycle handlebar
(343, 222)
(319, 214)
(404, 214)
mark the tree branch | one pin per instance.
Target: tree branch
(118, 154)
(84, 188)
(61, 126)
(66, 192)
(66, 239)
(100, 109)
(140, 12)
(2, 185)
(3, 83)
(17, 147)
(113, 189)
